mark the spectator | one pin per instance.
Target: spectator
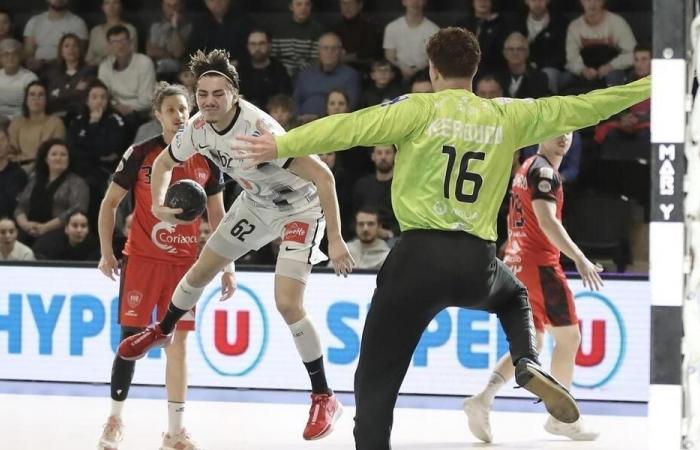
(281, 108)
(13, 78)
(99, 48)
(34, 126)
(570, 165)
(546, 33)
(218, 29)
(73, 243)
(68, 77)
(375, 190)
(97, 137)
(130, 78)
(7, 30)
(491, 29)
(367, 249)
(10, 248)
(361, 39)
(43, 31)
(383, 87)
(406, 37)
(295, 41)
(12, 177)
(53, 193)
(167, 38)
(314, 83)
(421, 84)
(518, 79)
(599, 46)
(262, 76)
(489, 87)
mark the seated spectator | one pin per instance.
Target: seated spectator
(73, 243)
(262, 76)
(13, 78)
(519, 79)
(421, 84)
(7, 30)
(221, 28)
(367, 249)
(315, 83)
(295, 40)
(361, 38)
(99, 48)
(34, 126)
(375, 190)
(53, 193)
(491, 29)
(10, 248)
(12, 177)
(488, 86)
(570, 165)
(281, 108)
(43, 31)
(167, 38)
(68, 77)
(130, 78)
(383, 87)
(599, 46)
(97, 137)
(546, 33)
(406, 37)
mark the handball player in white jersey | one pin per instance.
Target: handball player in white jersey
(291, 198)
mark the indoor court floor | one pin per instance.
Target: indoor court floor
(63, 416)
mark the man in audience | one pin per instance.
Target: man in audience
(222, 28)
(10, 248)
(405, 39)
(314, 83)
(383, 86)
(518, 79)
(167, 38)
(14, 78)
(43, 31)
(367, 249)
(295, 40)
(374, 190)
(262, 76)
(362, 39)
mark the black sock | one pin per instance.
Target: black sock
(167, 325)
(122, 371)
(317, 374)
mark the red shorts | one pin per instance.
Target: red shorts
(550, 297)
(148, 285)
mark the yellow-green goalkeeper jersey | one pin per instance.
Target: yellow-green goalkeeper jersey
(454, 149)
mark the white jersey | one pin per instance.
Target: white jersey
(268, 185)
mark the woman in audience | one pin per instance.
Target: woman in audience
(54, 192)
(34, 126)
(99, 48)
(10, 248)
(67, 78)
(73, 243)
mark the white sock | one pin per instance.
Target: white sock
(496, 381)
(175, 412)
(116, 408)
(185, 295)
(306, 339)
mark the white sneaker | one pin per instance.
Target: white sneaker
(111, 435)
(179, 441)
(477, 411)
(578, 431)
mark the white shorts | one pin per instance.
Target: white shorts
(246, 227)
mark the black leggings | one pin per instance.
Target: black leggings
(426, 272)
(122, 370)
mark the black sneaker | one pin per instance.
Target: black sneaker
(558, 401)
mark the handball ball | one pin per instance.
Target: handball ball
(189, 196)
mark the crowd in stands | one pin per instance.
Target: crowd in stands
(74, 97)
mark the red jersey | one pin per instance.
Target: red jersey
(150, 237)
(527, 244)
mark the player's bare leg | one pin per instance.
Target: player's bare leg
(186, 295)
(566, 343)
(478, 407)
(289, 294)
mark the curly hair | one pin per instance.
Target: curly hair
(216, 60)
(454, 52)
(164, 89)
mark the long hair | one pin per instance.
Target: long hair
(81, 53)
(41, 168)
(25, 108)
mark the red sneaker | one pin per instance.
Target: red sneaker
(136, 346)
(324, 413)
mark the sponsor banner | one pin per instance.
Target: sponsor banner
(59, 324)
